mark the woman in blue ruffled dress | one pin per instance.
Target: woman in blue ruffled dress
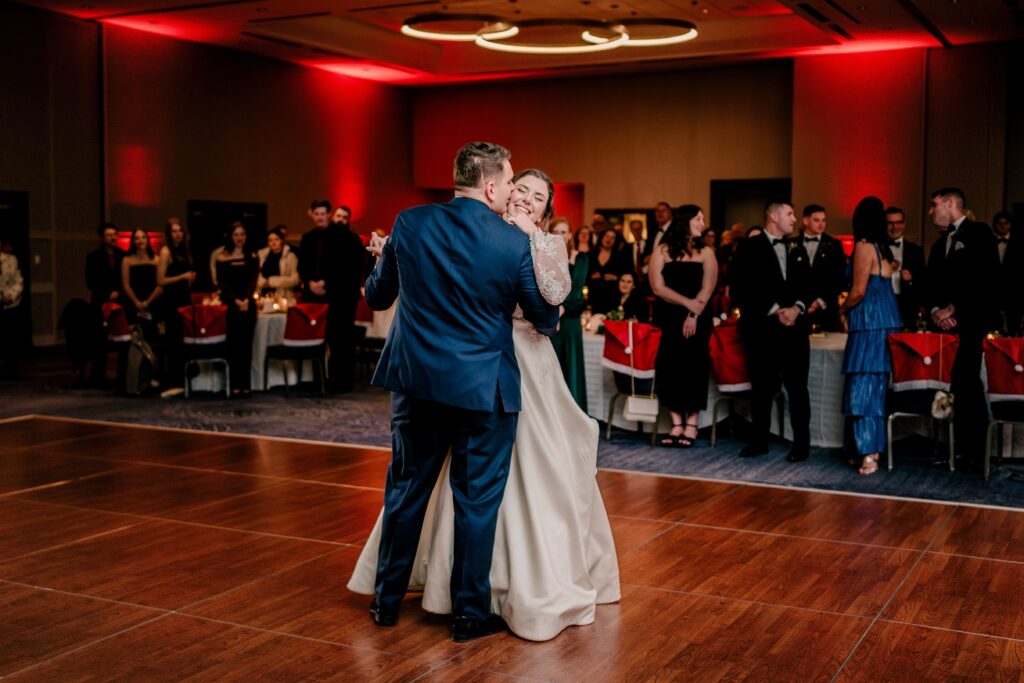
(871, 315)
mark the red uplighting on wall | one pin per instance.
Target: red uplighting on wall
(124, 240)
(847, 241)
(136, 175)
(370, 71)
(151, 26)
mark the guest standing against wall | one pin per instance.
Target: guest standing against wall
(683, 272)
(871, 315)
(962, 276)
(908, 277)
(828, 269)
(103, 280)
(138, 280)
(12, 285)
(175, 273)
(236, 277)
(568, 341)
(770, 288)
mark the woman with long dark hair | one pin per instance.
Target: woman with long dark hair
(237, 270)
(175, 274)
(605, 268)
(683, 272)
(138, 278)
(871, 315)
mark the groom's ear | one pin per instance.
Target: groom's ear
(489, 191)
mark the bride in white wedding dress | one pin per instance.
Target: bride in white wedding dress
(554, 557)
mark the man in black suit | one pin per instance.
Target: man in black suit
(1011, 274)
(962, 271)
(331, 269)
(103, 280)
(908, 273)
(663, 219)
(770, 287)
(828, 269)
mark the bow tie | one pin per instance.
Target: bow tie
(811, 239)
(1002, 240)
(896, 243)
(774, 242)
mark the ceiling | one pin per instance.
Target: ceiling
(361, 38)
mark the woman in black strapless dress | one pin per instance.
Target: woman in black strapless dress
(237, 270)
(138, 278)
(175, 274)
(683, 273)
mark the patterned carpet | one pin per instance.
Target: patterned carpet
(361, 417)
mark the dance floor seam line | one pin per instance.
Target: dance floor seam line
(777, 534)
(58, 484)
(86, 645)
(81, 539)
(193, 468)
(747, 601)
(950, 630)
(185, 430)
(172, 520)
(895, 592)
(312, 442)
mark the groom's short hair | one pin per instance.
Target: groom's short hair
(476, 161)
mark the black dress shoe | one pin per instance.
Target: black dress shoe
(381, 616)
(465, 629)
(798, 455)
(753, 451)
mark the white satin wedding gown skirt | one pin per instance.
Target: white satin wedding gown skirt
(554, 556)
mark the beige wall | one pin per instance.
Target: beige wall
(858, 130)
(630, 140)
(967, 99)
(188, 121)
(50, 148)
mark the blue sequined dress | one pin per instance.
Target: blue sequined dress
(867, 362)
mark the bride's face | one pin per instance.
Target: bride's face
(530, 196)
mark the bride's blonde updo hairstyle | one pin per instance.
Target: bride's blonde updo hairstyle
(549, 210)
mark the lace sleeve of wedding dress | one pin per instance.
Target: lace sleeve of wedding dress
(551, 266)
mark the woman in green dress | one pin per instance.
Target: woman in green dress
(568, 341)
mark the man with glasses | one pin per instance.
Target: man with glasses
(908, 268)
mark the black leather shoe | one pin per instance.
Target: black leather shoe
(798, 455)
(465, 629)
(753, 451)
(381, 616)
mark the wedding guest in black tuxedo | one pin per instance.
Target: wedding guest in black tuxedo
(634, 254)
(663, 219)
(908, 277)
(962, 276)
(770, 287)
(683, 274)
(331, 268)
(103, 279)
(237, 270)
(1011, 274)
(828, 269)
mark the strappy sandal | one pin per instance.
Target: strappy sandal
(687, 441)
(869, 467)
(671, 440)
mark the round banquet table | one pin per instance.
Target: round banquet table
(825, 385)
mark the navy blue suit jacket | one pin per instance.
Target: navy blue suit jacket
(460, 270)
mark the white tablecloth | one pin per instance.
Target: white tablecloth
(269, 332)
(825, 385)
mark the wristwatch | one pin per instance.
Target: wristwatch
(692, 315)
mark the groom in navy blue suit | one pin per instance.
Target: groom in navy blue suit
(458, 271)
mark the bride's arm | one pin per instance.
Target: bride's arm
(551, 266)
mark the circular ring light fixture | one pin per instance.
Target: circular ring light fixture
(684, 31)
(487, 40)
(494, 28)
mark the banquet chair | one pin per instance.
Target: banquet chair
(1004, 368)
(922, 363)
(305, 332)
(629, 352)
(205, 340)
(729, 369)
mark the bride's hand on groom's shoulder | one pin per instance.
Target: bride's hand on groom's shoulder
(376, 245)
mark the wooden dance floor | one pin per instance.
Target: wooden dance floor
(143, 554)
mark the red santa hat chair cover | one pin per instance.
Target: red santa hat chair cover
(1004, 368)
(204, 324)
(306, 325)
(630, 349)
(116, 322)
(921, 362)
